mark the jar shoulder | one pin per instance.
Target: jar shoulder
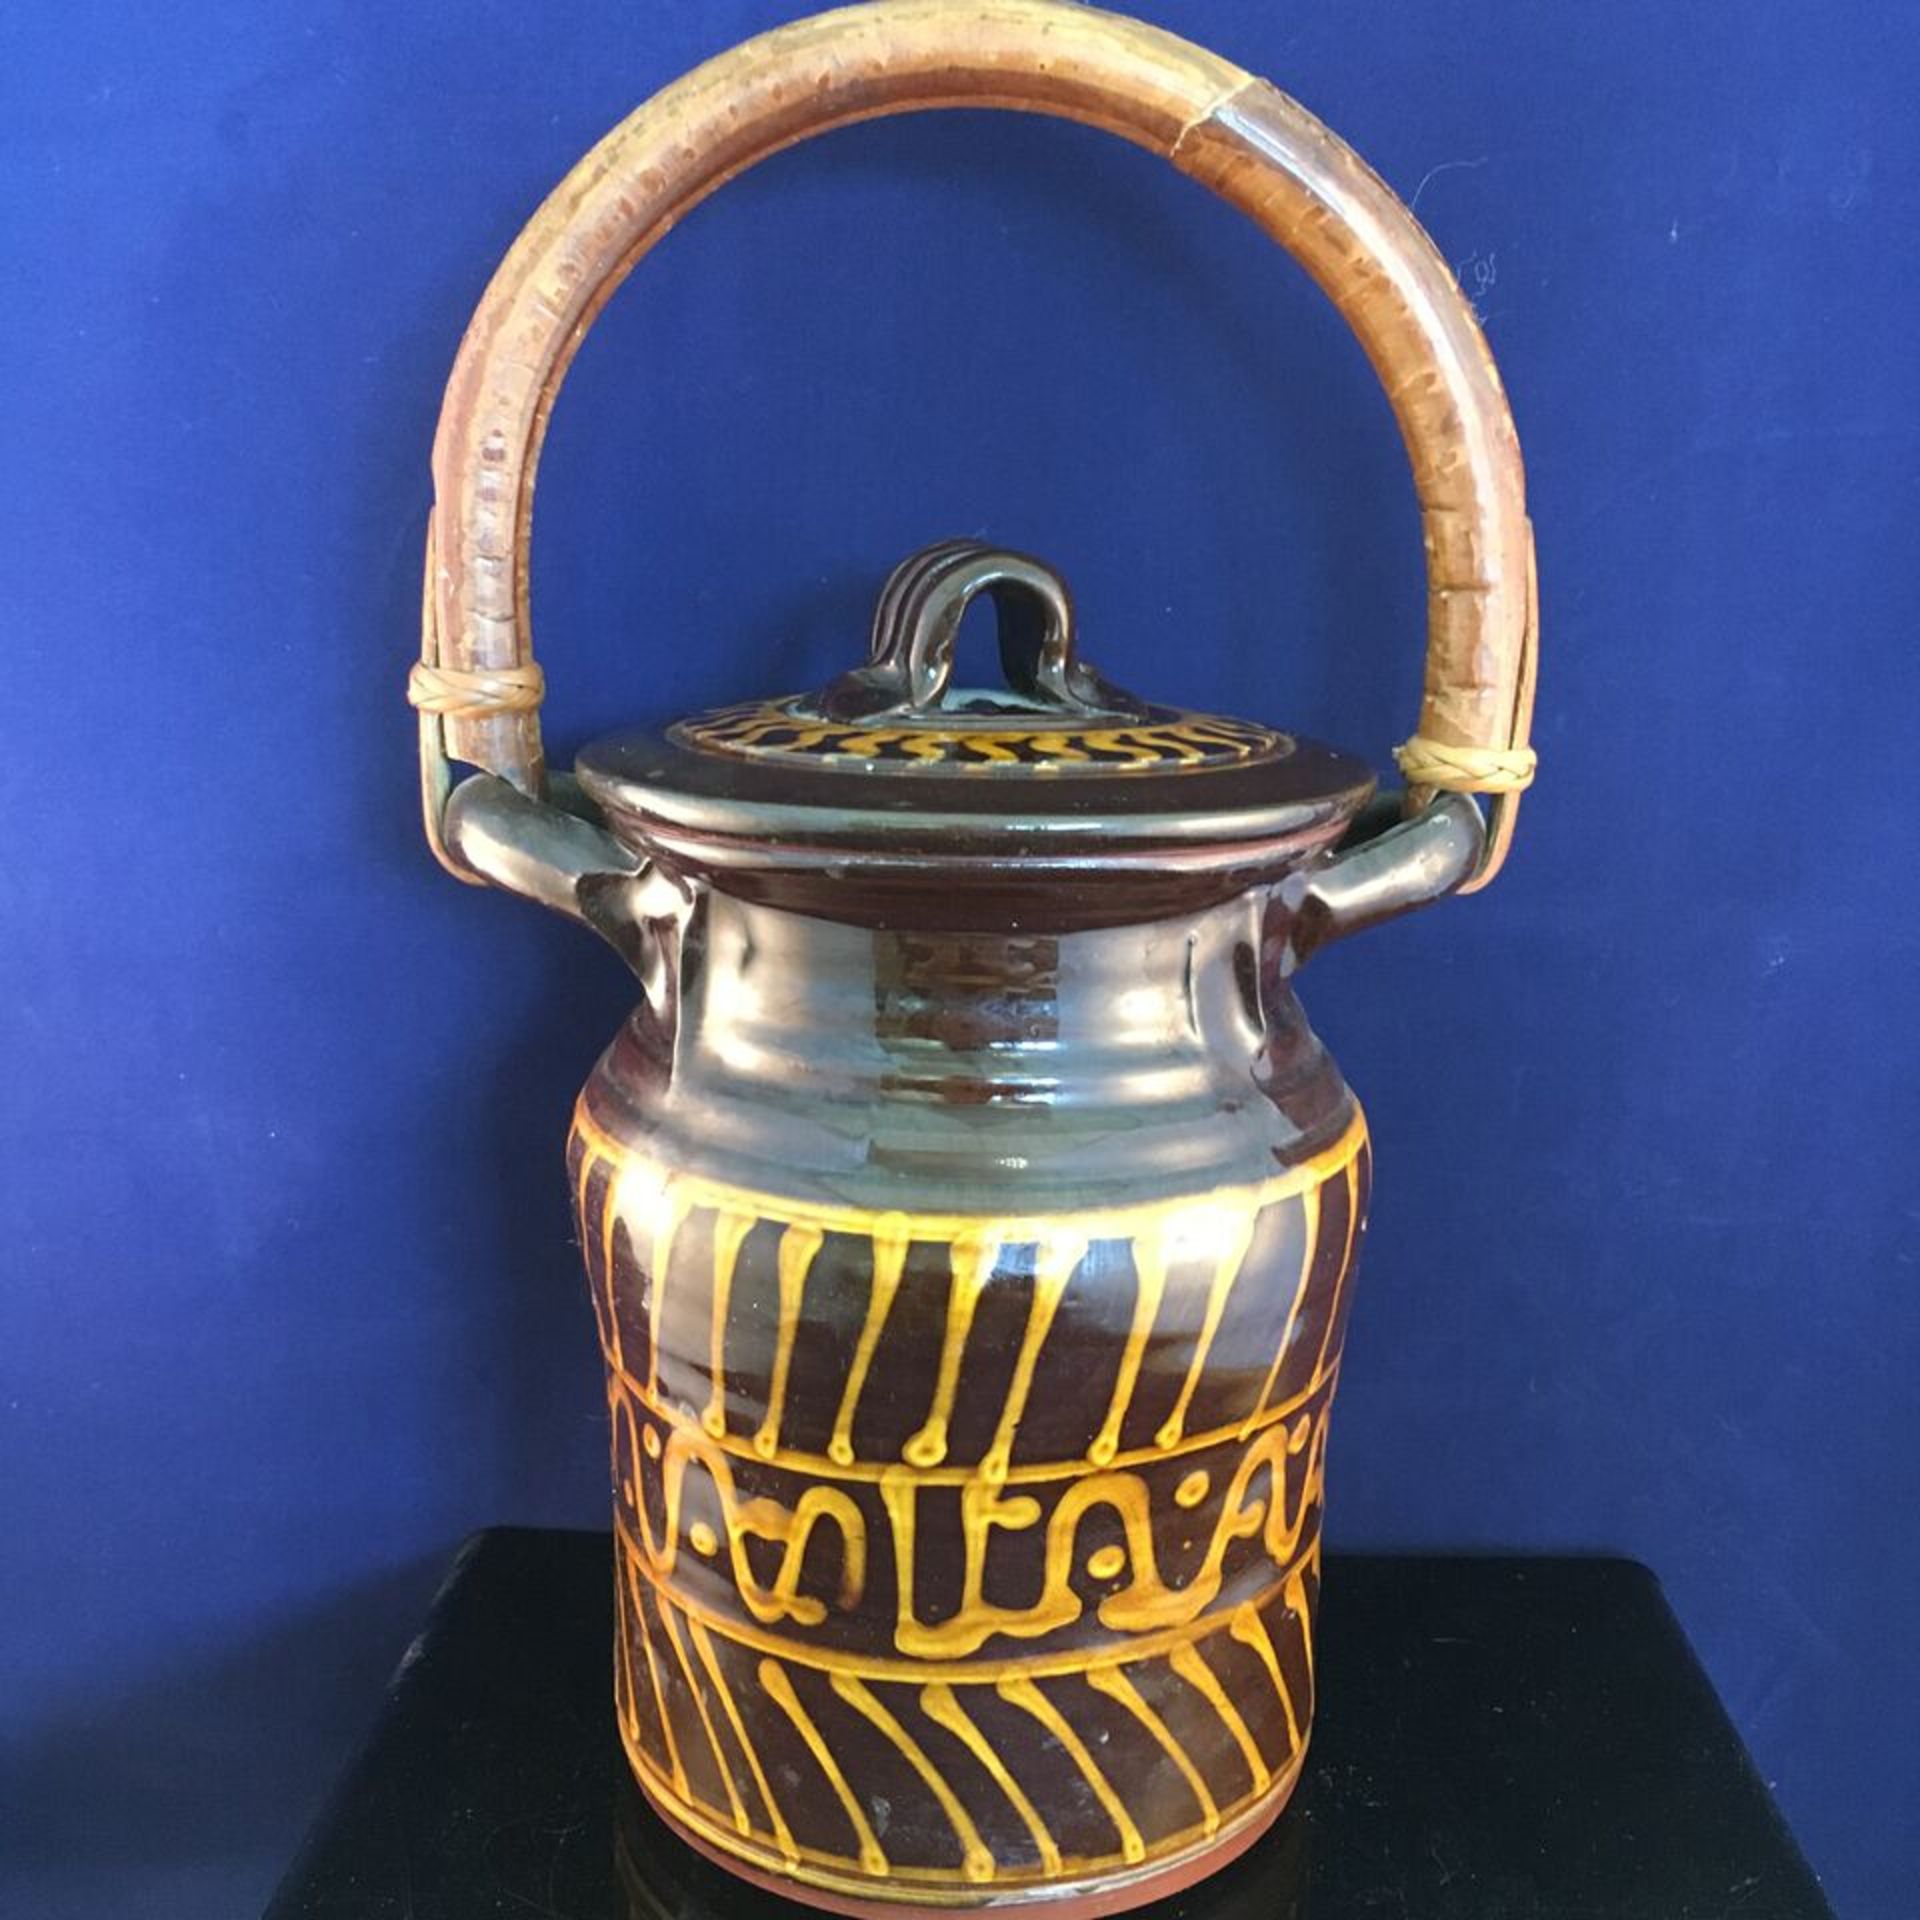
(1164, 1129)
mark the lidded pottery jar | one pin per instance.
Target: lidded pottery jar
(969, 1211)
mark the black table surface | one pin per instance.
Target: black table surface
(1497, 1739)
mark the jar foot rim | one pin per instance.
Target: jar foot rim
(1066, 1899)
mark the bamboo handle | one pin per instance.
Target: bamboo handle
(1260, 151)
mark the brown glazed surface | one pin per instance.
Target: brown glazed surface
(972, 1306)
(970, 1213)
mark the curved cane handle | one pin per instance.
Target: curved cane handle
(1260, 151)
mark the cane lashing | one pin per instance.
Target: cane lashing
(1432, 763)
(461, 694)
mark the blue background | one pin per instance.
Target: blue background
(289, 1300)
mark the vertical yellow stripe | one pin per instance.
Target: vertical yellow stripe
(900, 1490)
(1309, 1248)
(1345, 1274)
(670, 1209)
(582, 1187)
(798, 1247)
(729, 1234)
(1230, 1233)
(1054, 1264)
(1150, 1281)
(973, 1258)
(609, 1227)
(889, 1239)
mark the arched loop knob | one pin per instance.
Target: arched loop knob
(917, 621)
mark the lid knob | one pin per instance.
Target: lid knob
(910, 663)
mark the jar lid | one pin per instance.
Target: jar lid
(893, 770)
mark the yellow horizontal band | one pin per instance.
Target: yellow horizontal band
(1023, 1473)
(1010, 1228)
(1112, 1650)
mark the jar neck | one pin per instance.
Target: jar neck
(1124, 1015)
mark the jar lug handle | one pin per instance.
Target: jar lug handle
(554, 852)
(1381, 876)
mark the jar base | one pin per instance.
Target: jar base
(1067, 1900)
